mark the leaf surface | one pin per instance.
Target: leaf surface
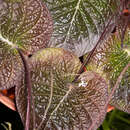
(109, 60)
(25, 24)
(78, 23)
(10, 67)
(58, 102)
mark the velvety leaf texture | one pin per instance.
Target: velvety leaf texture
(109, 60)
(95, 96)
(10, 67)
(26, 24)
(60, 104)
(78, 23)
(64, 65)
(121, 98)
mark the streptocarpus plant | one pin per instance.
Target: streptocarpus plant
(50, 93)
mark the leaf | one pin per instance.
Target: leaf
(109, 60)
(118, 120)
(121, 98)
(58, 103)
(8, 127)
(7, 101)
(64, 66)
(10, 67)
(96, 97)
(25, 24)
(78, 23)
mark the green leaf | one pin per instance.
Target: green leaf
(25, 24)
(105, 125)
(118, 120)
(109, 60)
(56, 102)
(78, 23)
(8, 127)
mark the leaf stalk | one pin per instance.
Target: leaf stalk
(28, 85)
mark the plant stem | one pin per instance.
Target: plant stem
(105, 125)
(123, 32)
(123, 119)
(93, 50)
(28, 86)
(112, 116)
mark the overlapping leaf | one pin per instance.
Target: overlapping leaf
(58, 102)
(109, 60)
(62, 64)
(26, 24)
(96, 97)
(78, 23)
(10, 67)
(117, 61)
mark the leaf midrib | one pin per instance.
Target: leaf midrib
(5, 40)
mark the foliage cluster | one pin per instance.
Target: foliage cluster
(41, 44)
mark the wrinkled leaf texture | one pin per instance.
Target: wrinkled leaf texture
(109, 60)
(62, 104)
(26, 24)
(78, 23)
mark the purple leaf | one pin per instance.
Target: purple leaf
(59, 103)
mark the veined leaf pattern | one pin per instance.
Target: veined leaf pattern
(59, 103)
(78, 23)
(121, 98)
(10, 67)
(109, 60)
(25, 24)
